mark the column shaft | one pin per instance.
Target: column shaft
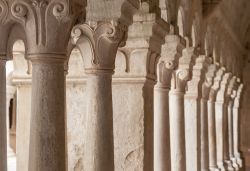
(99, 145)
(219, 109)
(204, 135)
(177, 130)
(212, 136)
(192, 132)
(161, 129)
(230, 135)
(226, 137)
(47, 135)
(3, 121)
(236, 135)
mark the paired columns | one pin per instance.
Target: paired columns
(3, 121)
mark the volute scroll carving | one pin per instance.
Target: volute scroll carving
(102, 39)
(37, 17)
(164, 73)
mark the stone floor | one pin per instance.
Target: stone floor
(11, 160)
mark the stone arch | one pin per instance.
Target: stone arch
(16, 34)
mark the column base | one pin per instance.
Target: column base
(222, 166)
(235, 164)
(214, 169)
(229, 165)
(239, 162)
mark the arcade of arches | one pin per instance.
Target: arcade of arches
(125, 85)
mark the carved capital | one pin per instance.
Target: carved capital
(182, 74)
(231, 87)
(164, 73)
(209, 79)
(238, 96)
(173, 47)
(194, 86)
(222, 93)
(216, 84)
(47, 23)
(98, 43)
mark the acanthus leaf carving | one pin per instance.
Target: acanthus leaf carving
(103, 38)
(37, 17)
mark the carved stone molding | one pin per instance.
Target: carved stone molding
(216, 84)
(98, 43)
(46, 23)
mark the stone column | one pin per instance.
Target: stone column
(105, 38)
(171, 52)
(193, 113)
(220, 112)
(230, 131)
(205, 90)
(3, 120)
(47, 50)
(228, 125)
(161, 116)
(176, 114)
(211, 117)
(47, 136)
(236, 132)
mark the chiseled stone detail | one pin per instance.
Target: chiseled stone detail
(216, 73)
(194, 118)
(221, 112)
(98, 42)
(37, 17)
